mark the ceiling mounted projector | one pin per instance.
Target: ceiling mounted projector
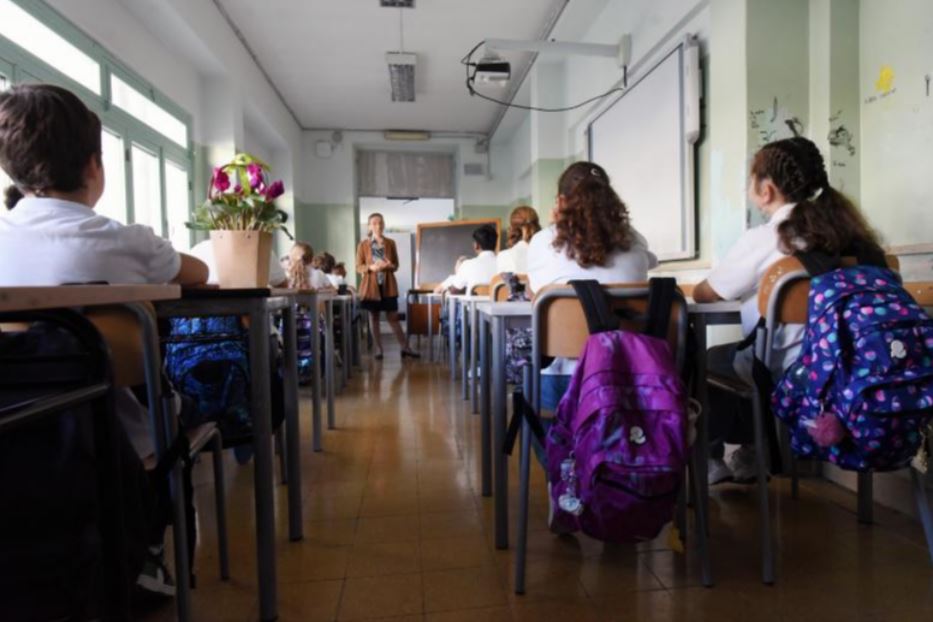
(402, 75)
(492, 70)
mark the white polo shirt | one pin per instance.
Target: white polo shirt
(737, 276)
(50, 242)
(514, 259)
(547, 265)
(476, 271)
(204, 251)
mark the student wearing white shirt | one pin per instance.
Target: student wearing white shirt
(789, 185)
(480, 269)
(523, 225)
(50, 146)
(204, 251)
(591, 238)
(301, 273)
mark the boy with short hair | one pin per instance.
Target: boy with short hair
(476, 271)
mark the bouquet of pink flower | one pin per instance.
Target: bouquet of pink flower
(241, 198)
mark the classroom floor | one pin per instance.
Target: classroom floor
(395, 529)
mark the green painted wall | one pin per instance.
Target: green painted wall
(328, 227)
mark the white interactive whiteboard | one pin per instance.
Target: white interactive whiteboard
(646, 142)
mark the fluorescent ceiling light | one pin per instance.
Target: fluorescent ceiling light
(406, 135)
(402, 75)
(402, 4)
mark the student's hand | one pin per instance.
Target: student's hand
(704, 293)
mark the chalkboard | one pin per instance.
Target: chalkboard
(440, 244)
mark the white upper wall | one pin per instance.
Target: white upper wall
(331, 180)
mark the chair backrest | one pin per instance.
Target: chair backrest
(782, 295)
(922, 291)
(500, 289)
(784, 291)
(480, 290)
(121, 329)
(560, 328)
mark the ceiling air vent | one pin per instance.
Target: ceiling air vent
(403, 4)
(474, 169)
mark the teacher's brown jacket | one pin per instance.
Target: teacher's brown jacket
(369, 289)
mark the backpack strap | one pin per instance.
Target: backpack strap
(660, 301)
(599, 316)
(521, 409)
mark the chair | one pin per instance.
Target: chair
(480, 290)
(500, 289)
(130, 333)
(560, 329)
(782, 299)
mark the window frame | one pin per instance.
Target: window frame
(23, 66)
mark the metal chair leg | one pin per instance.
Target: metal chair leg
(521, 545)
(767, 550)
(283, 457)
(702, 523)
(866, 498)
(220, 504)
(923, 506)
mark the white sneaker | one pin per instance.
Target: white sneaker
(744, 464)
(717, 472)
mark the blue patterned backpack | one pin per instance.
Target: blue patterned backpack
(861, 393)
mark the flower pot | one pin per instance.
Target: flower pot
(242, 258)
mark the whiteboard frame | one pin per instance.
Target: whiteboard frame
(687, 52)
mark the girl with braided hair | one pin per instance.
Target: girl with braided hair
(789, 185)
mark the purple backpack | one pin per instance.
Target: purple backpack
(617, 450)
(861, 391)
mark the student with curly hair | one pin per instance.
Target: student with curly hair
(591, 237)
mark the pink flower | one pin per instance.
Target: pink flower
(275, 190)
(238, 189)
(221, 180)
(254, 171)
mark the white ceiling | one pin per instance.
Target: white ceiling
(327, 57)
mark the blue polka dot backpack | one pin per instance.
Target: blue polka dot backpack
(861, 393)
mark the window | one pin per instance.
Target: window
(25, 30)
(147, 189)
(150, 113)
(176, 202)
(113, 203)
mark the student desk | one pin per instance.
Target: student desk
(259, 305)
(311, 299)
(326, 299)
(468, 348)
(452, 334)
(25, 299)
(430, 299)
(701, 317)
(346, 304)
(494, 319)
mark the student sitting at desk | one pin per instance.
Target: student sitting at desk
(476, 271)
(592, 238)
(50, 146)
(523, 225)
(301, 271)
(789, 185)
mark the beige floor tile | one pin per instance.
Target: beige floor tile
(388, 529)
(373, 597)
(371, 559)
(447, 553)
(309, 602)
(464, 588)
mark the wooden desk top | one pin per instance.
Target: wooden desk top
(64, 296)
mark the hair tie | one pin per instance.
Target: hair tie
(595, 172)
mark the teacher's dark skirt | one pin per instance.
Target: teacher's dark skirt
(387, 304)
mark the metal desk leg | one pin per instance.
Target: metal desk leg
(474, 384)
(355, 336)
(261, 398)
(292, 424)
(430, 329)
(344, 368)
(347, 340)
(702, 444)
(464, 350)
(329, 363)
(500, 462)
(484, 401)
(452, 336)
(315, 377)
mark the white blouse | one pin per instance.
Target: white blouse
(547, 265)
(514, 259)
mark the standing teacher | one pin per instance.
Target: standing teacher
(377, 261)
